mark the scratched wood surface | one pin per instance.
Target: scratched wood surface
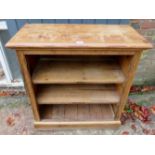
(62, 113)
(67, 72)
(77, 35)
(77, 94)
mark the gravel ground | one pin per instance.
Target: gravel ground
(16, 118)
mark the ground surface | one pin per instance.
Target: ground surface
(16, 118)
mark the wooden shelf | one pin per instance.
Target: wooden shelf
(76, 112)
(76, 115)
(77, 94)
(65, 72)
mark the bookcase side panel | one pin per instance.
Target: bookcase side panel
(129, 66)
(28, 84)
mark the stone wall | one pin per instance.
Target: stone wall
(146, 70)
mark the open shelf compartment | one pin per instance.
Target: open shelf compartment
(80, 70)
(77, 91)
(76, 113)
(77, 94)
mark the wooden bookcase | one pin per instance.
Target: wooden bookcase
(78, 75)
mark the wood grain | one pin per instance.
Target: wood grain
(78, 35)
(129, 67)
(76, 113)
(83, 111)
(28, 84)
(78, 51)
(77, 124)
(66, 72)
(77, 94)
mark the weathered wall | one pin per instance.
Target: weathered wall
(146, 69)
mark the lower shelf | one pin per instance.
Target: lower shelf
(77, 94)
(76, 116)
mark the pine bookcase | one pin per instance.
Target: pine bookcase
(78, 75)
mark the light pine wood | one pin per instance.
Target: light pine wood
(84, 115)
(78, 51)
(77, 94)
(129, 66)
(72, 112)
(76, 36)
(28, 84)
(125, 63)
(77, 124)
(83, 111)
(77, 72)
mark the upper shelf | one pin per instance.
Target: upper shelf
(63, 72)
(78, 35)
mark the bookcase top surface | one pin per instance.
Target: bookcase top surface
(77, 36)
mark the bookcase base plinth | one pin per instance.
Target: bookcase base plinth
(88, 124)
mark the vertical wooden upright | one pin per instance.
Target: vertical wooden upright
(78, 75)
(28, 84)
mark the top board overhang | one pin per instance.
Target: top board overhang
(49, 36)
